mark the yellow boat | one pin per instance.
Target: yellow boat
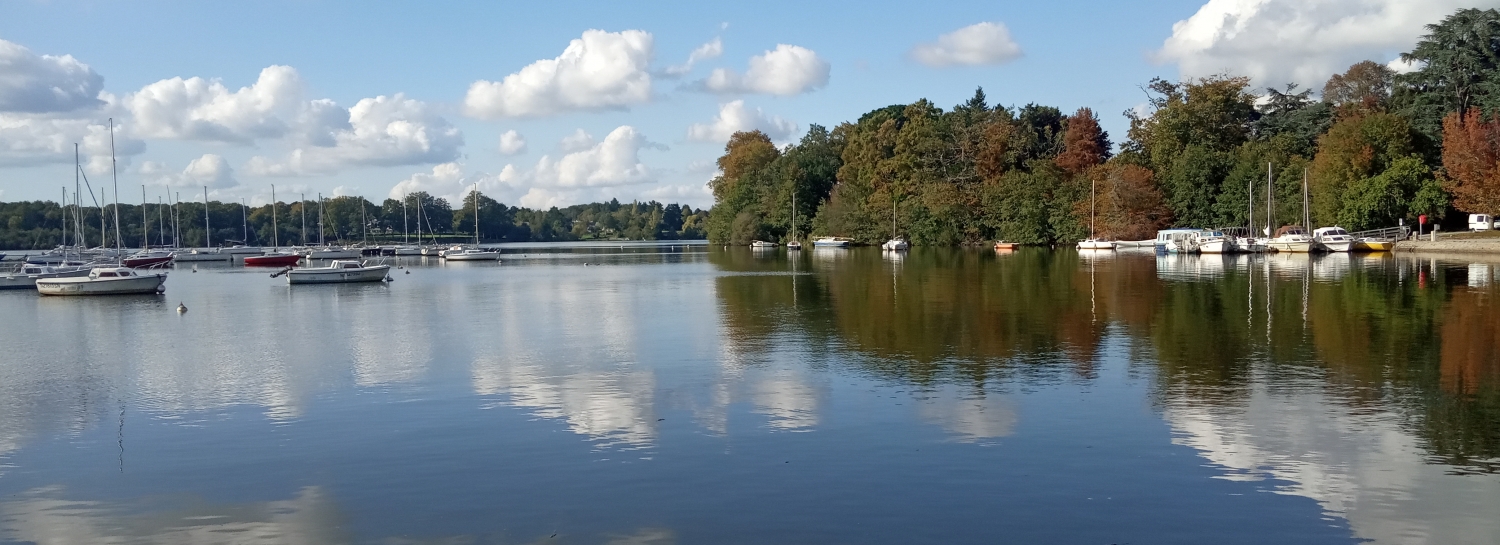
(1367, 245)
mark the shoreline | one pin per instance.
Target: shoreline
(1487, 246)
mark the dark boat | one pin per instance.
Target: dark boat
(147, 259)
(274, 260)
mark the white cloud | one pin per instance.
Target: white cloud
(31, 139)
(1403, 67)
(579, 140)
(735, 116)
(710, 50)
(786, 70)
(613, 161)
(601, 70)
(346, 191)
(1301, 41)
(45, 83)
(200, 109)
(209, 170)
(380, 131)
(511, 143)
(977, 44)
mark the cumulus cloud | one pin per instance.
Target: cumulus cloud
(707, 51)
(31, 139)
(579, 140)
(786, 70)
(511, 143)
(599, 71)
(1302, 41)
(209, 170)
(201, 109)
(977, 44)
(34, 83)
(734, 117)
(380, 131)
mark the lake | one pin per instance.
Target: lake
(670, 393)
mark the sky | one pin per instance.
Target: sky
(546, 104)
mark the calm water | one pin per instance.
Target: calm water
(696, 395)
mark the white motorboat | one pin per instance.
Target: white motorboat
(1165, 236)
(243, 250)
(1096, 244)
(26, 275)
(408, 250)
(762, 244)
(472, 254)
(794, 245)
(449, 250)
(1291, 238)
(832, 242)
(104, 281)
(896, 245)
(330, 252)
(1250, 245)
(1215, 242)
(201, 254)
(338, 272)
(1333, 239)
(433, 251)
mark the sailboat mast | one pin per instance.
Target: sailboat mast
(65, 219)
(275, 232)
(145, 227)
(304, 218)
(1093, 210)
(1270, 208)
(77, 201)
(405, 227)
(1306, 218)
(476, 214)
(112, 171)
(363, 223)
(161, 224)
(244, 223)
(320, 221)
(207, 240)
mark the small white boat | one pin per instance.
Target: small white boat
(408, 250)
(832, 242)
(338, 272)
(1333, 239)
(1096, 244)
(433, 251)
(104, 281)
(472, 254)
(201, 254)
(1291, 238)
(896, 245)
(26, 276)
(794, 245)
(762, 244)
(1165, 236)
(1215, 242)
(1248, 245)
(1134, 244)
(330, 252)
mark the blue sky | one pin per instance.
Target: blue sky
(375, 98)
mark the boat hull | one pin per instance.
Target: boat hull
(1373, 246)
(138, 262)
(486, 256)
(101, 286)
(1336, 247)
(284, 260)
(1291, 247)
(200, 257)
(1096, 245)
(337, 276)
(28, 281)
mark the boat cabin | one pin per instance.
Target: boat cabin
(1290, 230)
(1322, 232)
(346, 265)
(112, 272)
(1165, 235)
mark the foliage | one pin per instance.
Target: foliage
(1471, 159)
(1456, 70)
(1357, 148)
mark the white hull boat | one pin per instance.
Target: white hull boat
(104, 281)
(1333, 239)
(243, 250)
(406, 250)
(1216, 243)
(895, 245)
(472, 255)
(26, 277)
(332, 253)
(794, 245)
(762, 244)
(1096, 244)
(338, 272)
(831, 242)
(200, 255)
(1291, 239)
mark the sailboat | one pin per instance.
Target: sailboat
(793, 243)
(895, 244)
(475, 253)
(1094, 243)
(208, 252)
(1288, 238)
(276, 257)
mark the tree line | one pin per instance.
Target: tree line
(344, 220)
(1373, 149)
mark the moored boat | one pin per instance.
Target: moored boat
(1006, 246)
(1333, 239)
(1215, 242)
(104, 281)
(1373, 245)
(201, 254)
(338, 272)
(472, 254)
(1291, 238)
(896, 245)
(794, 245)
(152, 258)
(832, 242)
(26, 275)
(762, 244)
(272, 260)
(330, 252)
(1096, 244)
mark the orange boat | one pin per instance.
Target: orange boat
(1006, 246)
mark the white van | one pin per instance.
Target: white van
(1481, 222)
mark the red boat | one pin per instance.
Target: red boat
(147, 259)
(275, 260)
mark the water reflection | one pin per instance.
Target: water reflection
(46, 515)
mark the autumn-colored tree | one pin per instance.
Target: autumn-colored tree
(1471, 157)
(1129, 204)
(1190, 140)
(1365, 85)
(746, 152)
(1084, 143)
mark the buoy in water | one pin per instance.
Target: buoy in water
(181, 308)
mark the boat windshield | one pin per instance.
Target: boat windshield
(106, 275)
